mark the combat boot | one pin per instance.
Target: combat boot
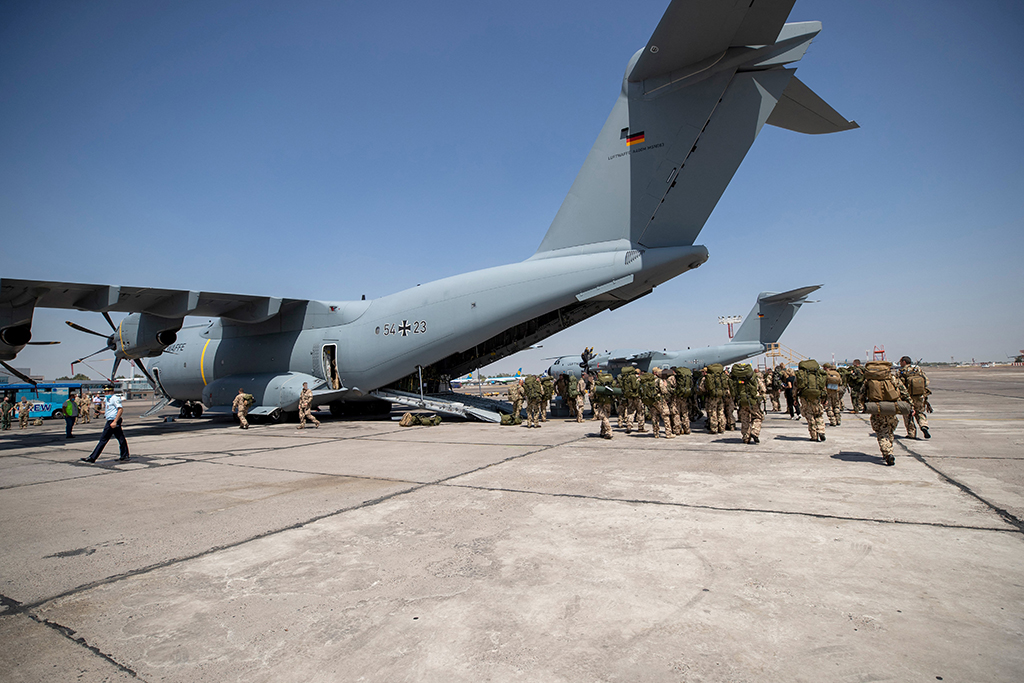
(926, 434)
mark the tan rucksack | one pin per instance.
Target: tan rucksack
(880, 387)
(916, 385)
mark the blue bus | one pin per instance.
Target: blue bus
(46, 399)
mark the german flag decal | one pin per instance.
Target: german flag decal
(634, 139)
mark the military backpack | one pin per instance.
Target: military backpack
(880, 386)
(744, 385)
(534, 389)
(650, 392)
(572, 389)
(684, 383)
(810, 380)
(630, 383)
(835, 379)
(915, 382)
(716, 381)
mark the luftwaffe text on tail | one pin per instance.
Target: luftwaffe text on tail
(764, 325)
(690, 105)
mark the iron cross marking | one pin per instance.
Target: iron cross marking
(404, 328)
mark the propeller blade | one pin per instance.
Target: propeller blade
(109, 321)
(89, 356)
(43, 343)
(140, 366)
(113, 372)
(75, 326)
(16, 373)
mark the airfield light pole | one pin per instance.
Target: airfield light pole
(729, 321)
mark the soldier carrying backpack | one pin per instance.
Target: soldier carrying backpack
(714, 387)
(748, 390)
(882, 393)
(630, 381)
(682, 394)
(917, 386)
(811, 383)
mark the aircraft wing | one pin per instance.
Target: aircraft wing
(692, 31)
(164, 303)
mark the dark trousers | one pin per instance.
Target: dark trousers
(69, 422)
(108, 431)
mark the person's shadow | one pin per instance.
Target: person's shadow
(852, 456)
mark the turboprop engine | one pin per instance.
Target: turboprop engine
(141, 335)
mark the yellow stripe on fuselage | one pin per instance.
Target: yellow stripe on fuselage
(202, 362)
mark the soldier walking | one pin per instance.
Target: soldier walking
(631, 391)
(714, 387)
(306, 407)
(6, 408)
(24, 408)
(748, 388)
(660, 415)
(729, 406)
(916, 382)
(682, 393)
(534, 391)
(810, 384)
(880, 391)
(856, 380)
(548, 383)
(776, 383)
(833, 395)
(241, 406)
(604, 395)
(84, 403)
(581, 392)
(515, 395)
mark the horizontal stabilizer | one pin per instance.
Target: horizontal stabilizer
(801, 110)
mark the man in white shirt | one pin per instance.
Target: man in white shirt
(112, 414)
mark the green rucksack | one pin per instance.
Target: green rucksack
(649, 390)
(742, 371)
(684, 383)
(572, 390)
(534, 389)
(716, 381)
(630, 383)
(810, 380)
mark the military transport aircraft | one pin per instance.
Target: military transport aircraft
(691, 103)
(765, 323)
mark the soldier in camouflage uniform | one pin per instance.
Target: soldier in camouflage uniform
(776, 381)
(885, 425)
(602, 403)
(6, 408)
(515, 396)
(681, 386)
(714, 386)
(810, 386)
(581, 394)
(659, 405)
(730, 409)
(305, 407)
(241, 406)
(84, 403)
(24, 407)
(748, 388)
(548, 382)
(916, 383)
(631, 390)
(833, 396)
(534, 391)
(855, 379)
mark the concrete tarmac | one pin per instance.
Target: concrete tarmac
(363, 551)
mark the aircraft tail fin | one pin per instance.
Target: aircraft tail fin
(691, 104)
(771, 315)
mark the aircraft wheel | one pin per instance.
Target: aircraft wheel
(56, 414)
(185, 411)
(197, 410)
(275, 416)
(337, 408)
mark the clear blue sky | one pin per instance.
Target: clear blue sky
(329, 150)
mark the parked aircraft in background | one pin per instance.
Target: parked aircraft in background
(690, 105)
(764, 325)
